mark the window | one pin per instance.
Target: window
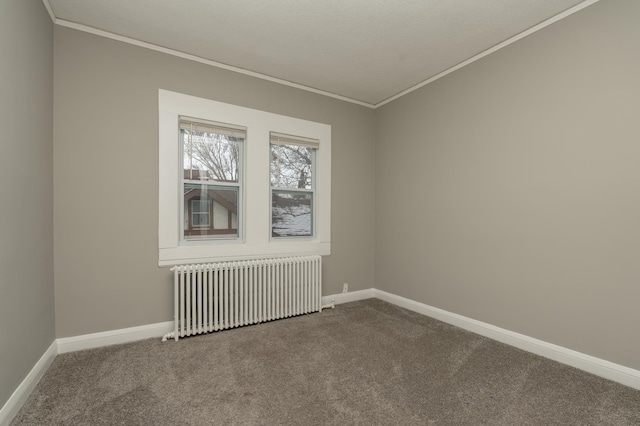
(293, 161)
(200, 214)
(234, 184)
(211, 179)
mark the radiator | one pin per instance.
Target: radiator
(217, 296)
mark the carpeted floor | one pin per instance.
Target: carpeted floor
(367, 363)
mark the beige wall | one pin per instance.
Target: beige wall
(106, 165)
(508, 191)
(26, 190)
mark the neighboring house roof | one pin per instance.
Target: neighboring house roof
(194, 174)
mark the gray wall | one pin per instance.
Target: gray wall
(106, 177)
(26, 190)
(508, 191)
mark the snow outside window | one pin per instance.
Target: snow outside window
(235, 184)
(292, 167)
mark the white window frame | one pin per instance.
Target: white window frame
(212, 182)
(255, 218)
(299, 141)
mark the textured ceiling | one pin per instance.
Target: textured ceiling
(365, 50)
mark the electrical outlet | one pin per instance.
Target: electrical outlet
(345, 287)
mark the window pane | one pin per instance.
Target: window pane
(201, 206)
(210, 212)
(209, 155)
(201, 212)
(291, 214)
(201, 219)
(291, 166)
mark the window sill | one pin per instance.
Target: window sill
(206, 254)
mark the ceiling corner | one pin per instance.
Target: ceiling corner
(50, 10)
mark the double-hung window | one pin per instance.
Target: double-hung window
(234, 183)
(292, 168)
(211, 179)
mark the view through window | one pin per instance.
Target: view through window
(211, 179)
(292, 185)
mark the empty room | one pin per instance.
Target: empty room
(330, 212)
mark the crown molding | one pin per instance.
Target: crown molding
(49, 10)
(194, 58)
(489, 51)
(128, 40)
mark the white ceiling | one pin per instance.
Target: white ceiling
(365, 50)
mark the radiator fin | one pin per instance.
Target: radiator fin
(217, 296)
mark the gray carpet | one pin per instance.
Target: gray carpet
(367, 362)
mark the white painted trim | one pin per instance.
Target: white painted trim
(618, 373)
(49, 10)
(489, 51)
(195, 58)
(600, 367)
(132, 334)
(22, 392)
(255, 221)
(113, 337)
(351, 296)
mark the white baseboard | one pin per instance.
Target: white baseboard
(618, 373)
(126, 335)
(600, 367)
(132, 334)
(113, 337)
(22, 392)
(352, 296)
